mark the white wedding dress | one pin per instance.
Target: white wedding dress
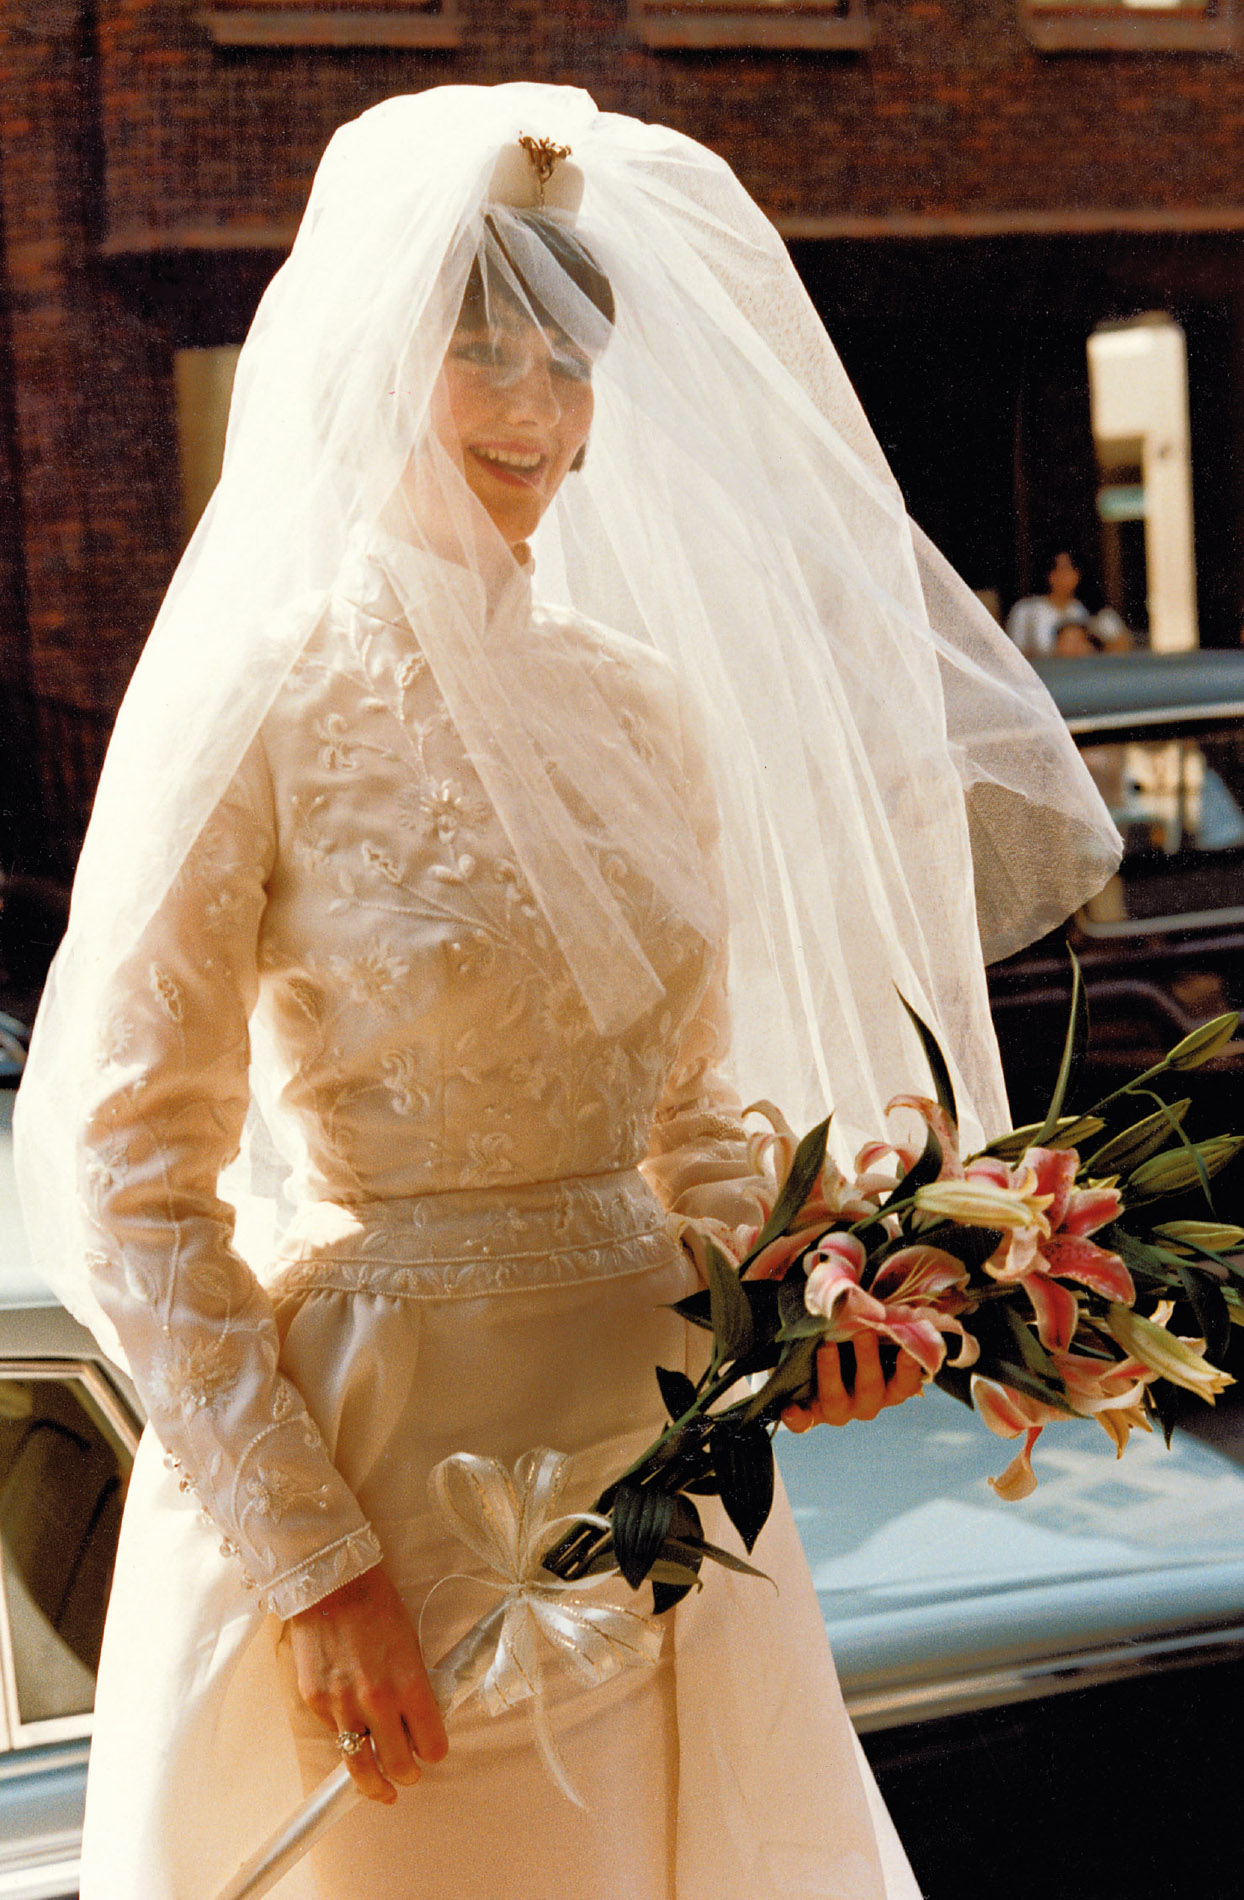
(476, 1261)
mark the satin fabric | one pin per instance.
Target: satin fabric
(727, 1772)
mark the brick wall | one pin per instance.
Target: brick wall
(950, 111)
(148, 179)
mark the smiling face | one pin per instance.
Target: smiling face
(515, 409)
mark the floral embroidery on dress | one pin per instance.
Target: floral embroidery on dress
(338, 752)
(402, 1070)
(167, 992)
(192, 1374)
(372, 977)
(274, 1491)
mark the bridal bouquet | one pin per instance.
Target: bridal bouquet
(1036, 1281)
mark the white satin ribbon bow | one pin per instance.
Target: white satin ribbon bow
(510, 1521)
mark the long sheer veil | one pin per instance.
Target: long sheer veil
(868, 732)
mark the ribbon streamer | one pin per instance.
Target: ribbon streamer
(510, 1521)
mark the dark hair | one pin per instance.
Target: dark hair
(564, 247)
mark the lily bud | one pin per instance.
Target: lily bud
(1142, 1139)
(981, 1203)
(1172, 1172)
(1178, 1360)
(1204, 1042)
(1216, 1236)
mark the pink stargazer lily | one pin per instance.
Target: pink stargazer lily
(832, 1198)
(935, 1118)
(1111, 1391)
(914, 1299)
(1045, 1221)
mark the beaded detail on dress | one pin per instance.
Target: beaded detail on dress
(485, 1240)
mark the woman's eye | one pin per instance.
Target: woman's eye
(577, 368)
(483, 354)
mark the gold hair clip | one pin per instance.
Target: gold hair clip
(545, 155)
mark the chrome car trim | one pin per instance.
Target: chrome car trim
(1051, 1675)
(45, 1879)
(1183, 716)
(114, 1413)
(52, 1760)
(1150, 926)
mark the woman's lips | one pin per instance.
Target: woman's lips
(515, 467)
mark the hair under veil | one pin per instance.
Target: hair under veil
(895, 791)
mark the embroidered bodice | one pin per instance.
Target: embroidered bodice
(355, 907)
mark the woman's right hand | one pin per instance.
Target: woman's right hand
(359, 1666)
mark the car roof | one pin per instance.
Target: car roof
(1139, 691)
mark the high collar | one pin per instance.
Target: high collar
(391, 581)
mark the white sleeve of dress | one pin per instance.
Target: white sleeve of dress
(697, 1163)
(198, 1330)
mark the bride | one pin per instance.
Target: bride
(554, 677)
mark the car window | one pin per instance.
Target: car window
(1179, 804)
(64, 1464)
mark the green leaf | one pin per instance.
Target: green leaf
(808, 1161)
(1075, 1044)
(673, 1576)
(1212, 1316)
(1031, 1351)
(971, 1245)
(956, 1381)
(792, 1379)
(1204, 1043)
(743, 1461)
(670, 1584)
(943, 1087)
(733, 1331)
(1135, 1144)
(726, 1558)
(677, 1391)
(640, 1519)
(697, 1307)
(1160, 1398)
(790, 1303)
(1070, 1132)
(1036, 1388)
(927, 1168)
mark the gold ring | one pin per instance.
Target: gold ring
(349, 1741)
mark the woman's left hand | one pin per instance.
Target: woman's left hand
(870, 1393)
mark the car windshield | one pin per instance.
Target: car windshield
(1179, 804)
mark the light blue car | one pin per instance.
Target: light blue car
(940, 1600)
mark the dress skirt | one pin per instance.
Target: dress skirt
(491, 1322)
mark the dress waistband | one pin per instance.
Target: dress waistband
(476, 1240)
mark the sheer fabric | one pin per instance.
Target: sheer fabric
(868, 731)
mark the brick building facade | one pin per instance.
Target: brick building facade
(938, 173)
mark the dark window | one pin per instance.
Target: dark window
(324, 23)
(823, 24)
(1139, 25)
(1179, 804)
(66, 1448)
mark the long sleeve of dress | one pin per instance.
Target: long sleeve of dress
(198, 1330)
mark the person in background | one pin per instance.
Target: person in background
(1034, 622)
